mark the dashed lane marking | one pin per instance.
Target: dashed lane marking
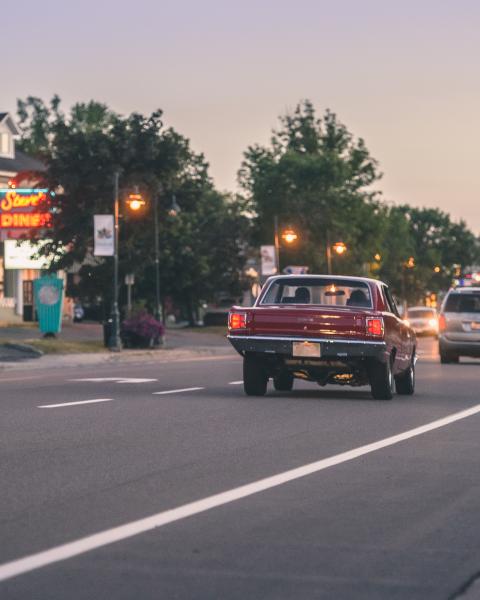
(128, 530)
(191, 389)
(236, 382)
(62, 404)
(115, 379)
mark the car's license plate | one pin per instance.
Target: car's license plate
(310, 349)
(475, 325)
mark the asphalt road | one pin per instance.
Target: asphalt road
(395, 520)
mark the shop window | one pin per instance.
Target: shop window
(5, 144)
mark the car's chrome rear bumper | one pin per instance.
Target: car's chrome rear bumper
(333, 349)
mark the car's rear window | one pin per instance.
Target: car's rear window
(463, 303)
(420, 313)
(318, 292)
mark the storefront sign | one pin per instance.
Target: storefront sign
(24, 209)
(19, 255)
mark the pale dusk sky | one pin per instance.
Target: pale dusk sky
(403, 75)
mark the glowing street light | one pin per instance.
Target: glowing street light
(340, 248)
(436, 269)
(378, 257)
(289, 236)
(135, 201)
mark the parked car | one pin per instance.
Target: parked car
(216, 313)
(327, 329)
(78, 313)
(423, 320)
(459, 324)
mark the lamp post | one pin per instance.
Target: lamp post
(115, 342)
(158, 307)
(289, 236)
(277, 243)
(339, 247)
(172, 211)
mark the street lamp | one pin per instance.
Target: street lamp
(135, 201)
(289, 236)
(173, 212)
(339, 248)
(114, 342)
(408, 264)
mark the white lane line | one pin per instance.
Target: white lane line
(115, 379)
(236, 382)
(75, 403)
(123, 532)
(192, 389)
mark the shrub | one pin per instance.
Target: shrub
(141, 331)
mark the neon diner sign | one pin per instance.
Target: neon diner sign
(22, 209)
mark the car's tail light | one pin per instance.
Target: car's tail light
(442, 323)
(375, 326)
(237, 320)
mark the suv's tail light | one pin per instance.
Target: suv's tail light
(442, 323)
(237, 320)
(375, 326)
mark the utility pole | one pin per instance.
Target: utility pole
(115, 342)
(158, 305)
(329, 256)
(277, 243)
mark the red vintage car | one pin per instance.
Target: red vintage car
(327, 329)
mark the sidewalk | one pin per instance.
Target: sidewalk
(181, 344)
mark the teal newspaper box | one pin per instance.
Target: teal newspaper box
(48, 293)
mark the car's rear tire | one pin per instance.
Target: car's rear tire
(255, 376)
(283, 382)
(448, 357)
(381, 380)
(405, 383)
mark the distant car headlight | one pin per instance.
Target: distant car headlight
(433, 323)
(407, 322)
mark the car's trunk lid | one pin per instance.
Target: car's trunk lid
(314, 322)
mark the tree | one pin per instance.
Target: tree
(83, 151)
(317, 177)
(421, 249)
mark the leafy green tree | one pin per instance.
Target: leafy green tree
(421, 248)
(319, 179)
(83, 151)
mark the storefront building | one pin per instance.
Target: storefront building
(23, 207)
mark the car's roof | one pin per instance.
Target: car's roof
(326, 276)
(464, 290)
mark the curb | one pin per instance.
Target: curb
(160, 356)
(25, 348)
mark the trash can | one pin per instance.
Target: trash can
(107, 332)
(48, 292)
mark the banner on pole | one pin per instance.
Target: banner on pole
(104, 239)
(267, 254)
